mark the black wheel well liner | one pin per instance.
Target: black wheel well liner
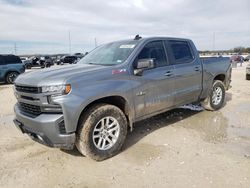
(221, 77)
(117, 101)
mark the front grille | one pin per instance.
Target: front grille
(30, 109)
(28, 89)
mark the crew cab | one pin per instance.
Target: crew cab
(92, 104)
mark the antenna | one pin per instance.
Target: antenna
(137, 37)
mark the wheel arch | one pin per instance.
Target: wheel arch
(115, 100)
(8, 72)
(221, 77)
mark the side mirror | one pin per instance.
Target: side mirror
(143, 64)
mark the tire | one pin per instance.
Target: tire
(28, 66)
(217, 103)
(91, 123)
(10, 77)
(47, 65)
(247, 76)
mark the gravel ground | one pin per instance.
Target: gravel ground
(186, 147)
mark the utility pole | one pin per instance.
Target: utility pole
(213, 41)
(95, 43)
(15, 49)
(69, 43)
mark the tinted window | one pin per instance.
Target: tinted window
(181, 51)
(12, 59)
(1, 60)
(154, 50)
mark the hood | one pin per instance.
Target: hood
(56, 75)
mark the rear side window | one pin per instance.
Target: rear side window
(12, 60)
(1, 60)
(154, 50)
(181, 51)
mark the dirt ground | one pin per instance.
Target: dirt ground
(180, 148)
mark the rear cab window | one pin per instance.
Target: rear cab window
(181, 51)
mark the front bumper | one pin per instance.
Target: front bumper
(44, 129)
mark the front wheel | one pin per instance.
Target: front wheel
(102, 132)
(216, 97)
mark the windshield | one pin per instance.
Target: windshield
(110, 54)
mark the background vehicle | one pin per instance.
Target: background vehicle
(46, 61)
(69, 59)
(79, 55)
(92, 104)
(41, 61)
(247, 58)
(24, 58)
(236, 58)
(248, 72)
(10, 67)
(27, 62)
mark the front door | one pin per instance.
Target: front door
(155, 90)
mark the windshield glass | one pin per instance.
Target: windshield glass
(110, 54)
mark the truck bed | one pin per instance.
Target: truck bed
(215, 66)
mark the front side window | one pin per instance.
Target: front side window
(154, 50)
(110, 54)
(181, 51)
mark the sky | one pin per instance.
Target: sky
(45, 26)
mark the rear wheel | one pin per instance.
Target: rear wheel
(247, 76)
(216, 97)
(47, 65)
(10, 77)
(28, 66)
(102, 132)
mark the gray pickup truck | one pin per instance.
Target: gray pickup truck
(92, 104)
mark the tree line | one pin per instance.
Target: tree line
(239, 50)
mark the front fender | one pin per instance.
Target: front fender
(81, 96)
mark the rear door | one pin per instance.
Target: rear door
(188, 71)
(155, 89)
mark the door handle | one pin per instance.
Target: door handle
(168, 73)
(197, 69)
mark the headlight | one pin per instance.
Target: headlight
(60, 89)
